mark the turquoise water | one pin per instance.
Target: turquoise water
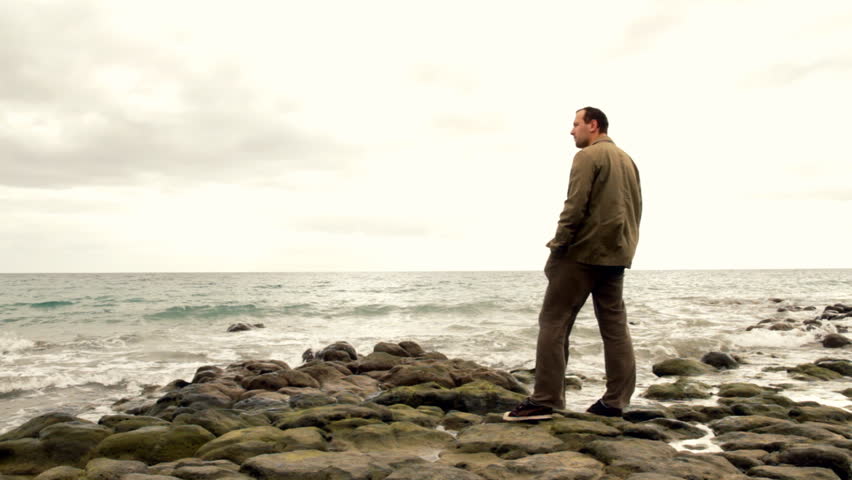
(79, 342)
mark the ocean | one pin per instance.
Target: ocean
(80, 342)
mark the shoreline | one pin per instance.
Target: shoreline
(400, 412)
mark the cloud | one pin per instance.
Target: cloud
(391, 227)
(787, 73)
(83, 103)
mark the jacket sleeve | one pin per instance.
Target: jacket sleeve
(576, 204)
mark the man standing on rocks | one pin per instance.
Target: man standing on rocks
(595, 241)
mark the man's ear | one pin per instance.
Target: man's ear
(593, 125)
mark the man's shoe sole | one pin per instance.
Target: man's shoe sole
(507, 418)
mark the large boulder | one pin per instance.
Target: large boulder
(610, 451)
(338, 351)
(739, 390)
(682, 367)
(823, 414)
(126, 423)
(810, 372)
(62, 472)
(838, 460)
(744, 423)
(155, 444)
(240, 445)
(756, 441)
(840, 365)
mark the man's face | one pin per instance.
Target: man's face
(582, 131)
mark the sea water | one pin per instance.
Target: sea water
(80, 342)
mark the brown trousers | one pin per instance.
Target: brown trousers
(569, 285)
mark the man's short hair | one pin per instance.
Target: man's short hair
(593, 113)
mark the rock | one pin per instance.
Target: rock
(684, 465)
(792, 473)
(811, 372)
(325, 372)
(823, 414)
(180, 468)
(782, 327)
(677, 429)
(478, 397)
(70, 443)
(739, 390)
(107, 469)
(396, 436)
(422, 416)
(31, 428)
(276, 380)
(455, 420)
(316, 465)
(502, 438)
(641, 414)
(681, 389)
(680, 367)
(812, 430)
(745, 459)
(62, 472)
(744, 423)
(144, 476)
(240, 445)
(650, 432)
(219, 422)
(720, 360)
(432, 471)
(24, 456)
(239, 327)
(609, 451)
(263, 400)
(756, 441)
(391, 348)
(413, 349)
(847, 392)
(561, 426)
(651, 476)
(406, 375)
(321, 416)
(310, 400)
(338, 351)
(375, 361)
(558, 465)
(835, 340)
(818, 456)
(839, 365)
(155, 444)
(126, 423)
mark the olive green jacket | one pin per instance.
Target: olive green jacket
(599, 224)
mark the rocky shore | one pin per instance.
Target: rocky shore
(400, 413)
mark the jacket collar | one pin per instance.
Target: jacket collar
(603, 138)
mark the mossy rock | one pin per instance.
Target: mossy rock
(682, 389)
(423, 415)
(109, 469)
(220, 421)
(395, 436)
(839, 365)
(32, 427)
(157, 444)
(505, 438)
(810, 372)
(322, 416)
(126, 423)
(739, 390)
(240, 445)
(62, 472)
(24, 456)
(71, 443)
(681, 367)
(822, 414)
(455, 420)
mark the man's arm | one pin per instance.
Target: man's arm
(575, 209)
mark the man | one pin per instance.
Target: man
(595, 241)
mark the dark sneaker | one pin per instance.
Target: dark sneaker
(527, 411)
(600, 408)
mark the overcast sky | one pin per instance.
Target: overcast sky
(323, 136)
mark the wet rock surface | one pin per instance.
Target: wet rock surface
(402, 412)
